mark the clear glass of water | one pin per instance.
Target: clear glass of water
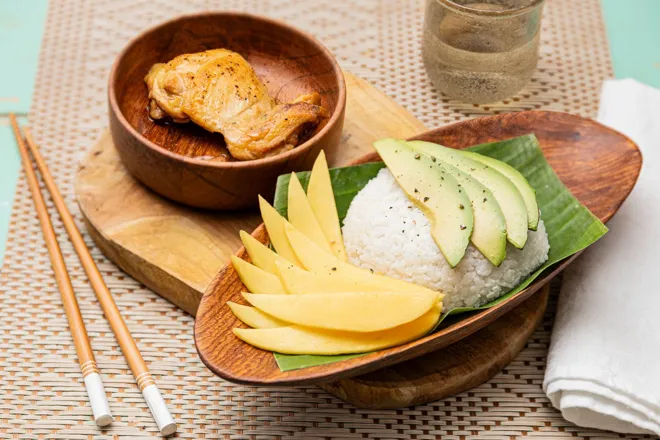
(481, 51)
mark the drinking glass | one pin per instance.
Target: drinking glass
(481, 51)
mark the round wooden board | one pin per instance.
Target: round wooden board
(176, 251)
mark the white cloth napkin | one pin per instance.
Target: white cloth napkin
(604, 361)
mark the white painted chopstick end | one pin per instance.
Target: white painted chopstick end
(98, 399)
(159, 410)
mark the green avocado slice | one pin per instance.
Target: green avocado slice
(436, 192)
(489, 232)
(527, 192)
(507, 195)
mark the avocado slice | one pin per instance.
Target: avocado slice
(436, 192)
(528, 193)
(507, 195)
(489, 233)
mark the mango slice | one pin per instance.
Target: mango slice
(255, 279)
(315, 260)
(301, 215)
(305, 340)
(348, 311)
(255, 318)
(298, 281)
(275, 224)
(322, 200)
(260, 254)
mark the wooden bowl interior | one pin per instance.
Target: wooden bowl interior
(599, 165)
(289, 62)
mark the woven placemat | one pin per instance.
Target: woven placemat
(41, 390)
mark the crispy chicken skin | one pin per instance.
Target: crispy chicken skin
(219, 91)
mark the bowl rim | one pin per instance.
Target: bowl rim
(283, 157)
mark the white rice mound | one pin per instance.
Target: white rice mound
(385, 232)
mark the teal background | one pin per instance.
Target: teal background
(9, 168)
(21, 30)
(633, 29)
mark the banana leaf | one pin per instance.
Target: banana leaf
(570, 226)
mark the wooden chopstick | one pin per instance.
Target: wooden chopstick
(143, 377)
(90, 371)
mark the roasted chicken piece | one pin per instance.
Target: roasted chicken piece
(219, 91)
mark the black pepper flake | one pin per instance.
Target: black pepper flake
(463, 227)
(485, 199)
(433, 159)
(417, 156)
(416, 190)
(372, 271)
(461, 206)
(426, 199)
(334, 268)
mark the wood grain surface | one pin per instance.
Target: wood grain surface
(175, 159)
(599, 165)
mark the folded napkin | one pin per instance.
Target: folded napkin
(604, 361)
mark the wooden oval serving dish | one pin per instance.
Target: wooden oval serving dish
(171, 159)
(599, 165)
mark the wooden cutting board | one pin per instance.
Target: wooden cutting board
(176, 251)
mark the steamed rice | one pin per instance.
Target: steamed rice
(385, 232)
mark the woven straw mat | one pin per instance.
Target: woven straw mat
(42, 394)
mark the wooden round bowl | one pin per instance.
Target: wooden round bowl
(170, 158)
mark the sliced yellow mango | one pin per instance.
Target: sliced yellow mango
(275, 224)
(322, 200)
(299, 281)
(255, 279)
(260, 254)
(349, 311)
(314, 259)
(255, 318)
(305, 340)
(301, 215)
